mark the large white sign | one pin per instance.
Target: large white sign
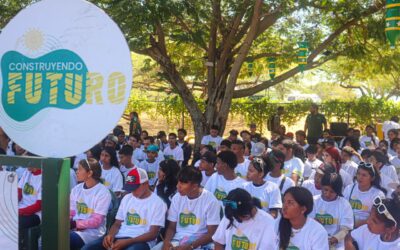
(65, 79)
(8, 211)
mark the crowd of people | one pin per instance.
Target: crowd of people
(303, 190)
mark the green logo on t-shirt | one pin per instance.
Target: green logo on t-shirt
(292, 248)
(356, 204)
(28, 189)
(168, 157)
(151, 175)
(82, 208)
(325, 219)
(220, 194)
(241, 243)
(134, 219)
(186, 218)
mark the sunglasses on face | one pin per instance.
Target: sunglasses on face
(381, 208)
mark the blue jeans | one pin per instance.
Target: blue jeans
(75, 241)
(98, 244)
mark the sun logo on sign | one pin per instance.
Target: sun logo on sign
(33, 39)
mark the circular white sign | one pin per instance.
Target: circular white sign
(65, 77)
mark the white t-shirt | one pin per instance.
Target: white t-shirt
(350, 167)
(193, 216)
(278, 180)
(85, 202)
(138, 156)
(388, 125)
(255, 233)
(268, 194)
(125, 171)
(138, 215)
(396, 163)
(361, 202)
(112, 179)
(220, 187)
(310, 186)
(312, 236)
(151, 169)
(204, 179)
(366, 142)
(293, 166)
(213, 141)
(176, 153)
(390, 172)
(311, 165)
(241, 168)
(31, 186)
(367, 240)
(332, 215)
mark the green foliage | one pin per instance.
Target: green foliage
(362, 111)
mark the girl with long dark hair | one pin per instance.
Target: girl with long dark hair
(110, 174)
(382, 231)
(332, 210)
(244, 226)
(296, 229)
(167, 180)
(361, 193)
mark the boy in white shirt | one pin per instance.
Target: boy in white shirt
(312, 161)
(140, 216)
(212, 139)
(151, 164)
(193, 216)
(242, 163)
(348, 164)
(173, 151)
(207, 166)
(293, 167)
(301, 139)
(225, 179)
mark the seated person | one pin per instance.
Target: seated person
(140, 216)
(30, 199)
(89, 203)
(382, 229)
(193, 216)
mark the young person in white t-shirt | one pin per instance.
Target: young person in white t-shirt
(275, 161)
(293, 167)
(314, 183)
(151, 164)
(207, 166)
(296, 230)
(244, 226)
(395, 146)
(301, 139)
(173, 151)
(333, 211)
(361, 193)
(212, 139)
(29, 199)
(348, 164)
(242, 163)
(125, 159)
(382, 231)
(140, 216)
(370, 140)
(110, 174)
(225, 179)
(89, 204)
(266, 192)
(194, 214)
(312, 161)
(381, 162)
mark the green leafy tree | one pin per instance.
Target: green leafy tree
(210, 45)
